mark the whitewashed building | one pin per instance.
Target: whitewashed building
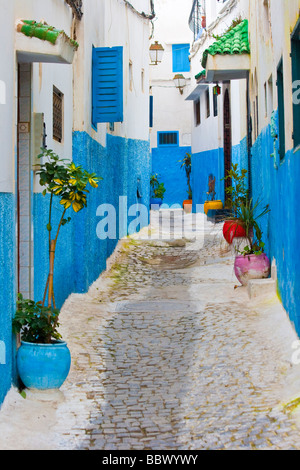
(170, 133)
(74, 78)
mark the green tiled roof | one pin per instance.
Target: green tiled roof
(200, 74)
(43, 31)
(236, 41)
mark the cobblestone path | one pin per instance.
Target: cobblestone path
(168, 355)
(171, 356)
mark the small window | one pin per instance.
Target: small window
(168, 139)
(281, 117)
(57, 115)
(207, 103)
(215, 98)
(197, 111)
(255, 117)
(266, 99)
(270, 96)
(181, 62)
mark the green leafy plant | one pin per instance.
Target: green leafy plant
(67, 183)
(186, 164)
(248, 215)
(157, 189)
(38, 323)
(236, 191)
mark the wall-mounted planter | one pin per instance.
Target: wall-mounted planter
(36, 42)
(212, 205)
(251, 267)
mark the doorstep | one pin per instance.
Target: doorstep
(259, 287)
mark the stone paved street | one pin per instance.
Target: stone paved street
(167, 355)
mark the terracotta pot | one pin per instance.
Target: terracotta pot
(212, 205)
(233, 229)
(187, 205)
(251, 267)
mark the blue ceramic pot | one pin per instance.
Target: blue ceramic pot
(155, 202)
(43, 366)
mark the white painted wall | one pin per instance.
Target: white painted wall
(109, 24)
(7, 101)
(209, 134)
(171, 111)
(270, 40)
(44, 76)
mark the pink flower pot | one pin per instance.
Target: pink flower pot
(251, 267)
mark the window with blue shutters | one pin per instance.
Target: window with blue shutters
(107, 85)
(181, 61)
(168, 139)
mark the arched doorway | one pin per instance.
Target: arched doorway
(227, 139)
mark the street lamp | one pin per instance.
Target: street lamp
(180, 82)
(156, 53)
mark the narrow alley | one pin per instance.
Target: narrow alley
(166, 355)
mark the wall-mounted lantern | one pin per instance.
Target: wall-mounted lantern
(217, 90)
(180, 82)
(156, 53)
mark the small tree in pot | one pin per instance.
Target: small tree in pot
(37, 322)
(236, 194)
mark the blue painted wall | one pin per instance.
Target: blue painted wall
(81, 256)
(165, 164)
(212, 162)
(204, 164)
(7, 291)
(279, 187)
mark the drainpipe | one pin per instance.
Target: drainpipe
(249, 138)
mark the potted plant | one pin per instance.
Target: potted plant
(157, 192)
(251, 262)
(236, 194)
(186, 164)
(43, 359)
(212, 204)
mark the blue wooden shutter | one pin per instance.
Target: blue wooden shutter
(107, 85)
(181, 61)
(151, 111)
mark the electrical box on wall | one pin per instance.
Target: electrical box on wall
(37, 138)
